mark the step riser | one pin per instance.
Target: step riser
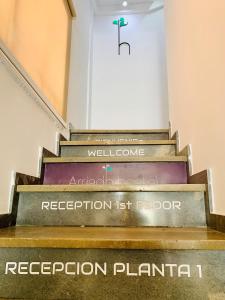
(170, 209)
(111, 274)
(116, 173)
(118, 151)
(125, 137)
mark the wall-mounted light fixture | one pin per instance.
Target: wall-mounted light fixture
(121, 23)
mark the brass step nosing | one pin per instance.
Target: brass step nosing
(114, 244)
(112, 238)
(118, 143)
(114, 131)
(113, 188)
(114, 159)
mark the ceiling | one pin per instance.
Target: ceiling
(112, 7)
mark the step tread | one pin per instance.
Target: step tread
(113, 188)
(81, 131)
(115, 159)
(117, 143)
(112, 238)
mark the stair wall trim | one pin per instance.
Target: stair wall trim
(7, 220)
(186, 151)
(214, 221)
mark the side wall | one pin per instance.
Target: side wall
(80, 69)
(129, 91)
(38, 35)
(26, 124)
(196, 72)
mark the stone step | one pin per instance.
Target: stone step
(118, 131)
(115, 159)
(118, 149)
(116, 143)
(163, 205)
(111, 263)
(119, 135)
(65, 171)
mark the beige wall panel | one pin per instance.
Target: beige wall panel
(38, 35)
(196, 69)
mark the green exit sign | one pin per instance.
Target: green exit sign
(122, 22)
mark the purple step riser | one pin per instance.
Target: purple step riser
(116, 173)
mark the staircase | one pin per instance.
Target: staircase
(115, 216)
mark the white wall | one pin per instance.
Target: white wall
(129, 91)
(26, 124)
(80, 70)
